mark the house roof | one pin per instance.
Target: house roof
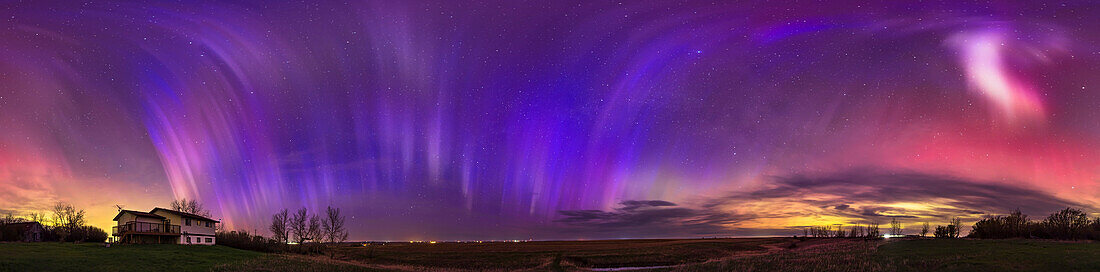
(137, 213)
(21, 225)
(191, 215)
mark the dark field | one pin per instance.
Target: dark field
(553, 255)
(54, 256)
(758, 254)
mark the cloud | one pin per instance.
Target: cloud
(789, 203)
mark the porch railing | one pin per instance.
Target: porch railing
(145, 227)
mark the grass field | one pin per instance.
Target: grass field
(917, 255)
(553, 254)
(759, 254)
(95, 257)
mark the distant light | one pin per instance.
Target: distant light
(432, 242)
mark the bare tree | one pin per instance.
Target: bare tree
(924, 230)
(67, 218)
(37, 217)
(298, 225)
(895, 227)
(313, 232)
(333, 226)
(956, 226)
(9, 218)
(857, 231)
(872, 230)
(190, 206)
(278, 228)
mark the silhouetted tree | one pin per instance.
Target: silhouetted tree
(333, 226)
(942, 232)
(1067, 224)
(924, 230)
(67, 221)
(189, 206)
(895, 227)
(279, 230)
(314, 231)
(9, 219)
(37, 217)
(857, 231)
(873, 231)
(1017, 224)
(93, 234)
(1094, 233)
(298, 225)
(956, 227)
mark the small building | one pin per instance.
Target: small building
(22, 232)
(163, 226)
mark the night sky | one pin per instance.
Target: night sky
(559, 120)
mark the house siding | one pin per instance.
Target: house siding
(195, 234)
(127, 218)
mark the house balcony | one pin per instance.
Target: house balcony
(145, 228)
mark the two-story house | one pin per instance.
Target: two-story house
(164, 226)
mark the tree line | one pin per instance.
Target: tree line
(309, 232)
(868, 230)
(64, 223)
(1066, 224)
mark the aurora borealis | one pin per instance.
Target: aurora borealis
(552, 120)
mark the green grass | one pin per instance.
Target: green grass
(991, 255)
(549, 254)
(918, 255)
(54, 256)
(771, 254)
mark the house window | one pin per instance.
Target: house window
(187, 221)
(207, 224)
(188, 239)
(209, 240)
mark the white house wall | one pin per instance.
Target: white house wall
(197, 233)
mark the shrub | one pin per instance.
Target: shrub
(1094, 230)
(94, 234)
(949, 231)
(1067, 224)
(247, 241)
(86, 234)
(1014, 225)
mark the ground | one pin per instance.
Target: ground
(53, 256)
(759, 254)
